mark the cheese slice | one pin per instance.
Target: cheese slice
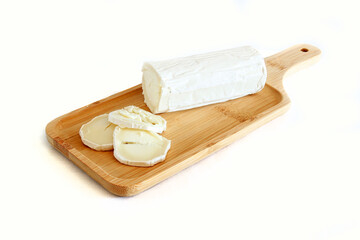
(98, 133)
(135, 117)
(137, 147)
(203, 79)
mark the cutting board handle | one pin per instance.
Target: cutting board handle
(291, 60)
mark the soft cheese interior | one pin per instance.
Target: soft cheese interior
(98, 133)
(203, 79)
(139, 147)
(135, 117)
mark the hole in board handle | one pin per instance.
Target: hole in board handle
(304, 50)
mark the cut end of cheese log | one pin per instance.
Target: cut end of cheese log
(140, 148)
(203, 79)
(98, 133)
(135, 117)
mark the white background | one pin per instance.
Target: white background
(297, 177)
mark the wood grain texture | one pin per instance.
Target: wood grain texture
(194, 133)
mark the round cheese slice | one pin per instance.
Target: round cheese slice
(98, 133)
(135, 117)
(140, 148)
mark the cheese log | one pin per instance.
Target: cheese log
(203, 79)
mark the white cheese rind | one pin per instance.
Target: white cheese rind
(135, 117)
(98, 133)
(140, 148)
(203, 79)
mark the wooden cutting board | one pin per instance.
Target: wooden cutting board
(194, 133)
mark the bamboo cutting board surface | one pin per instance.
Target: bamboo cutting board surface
(194, 133)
